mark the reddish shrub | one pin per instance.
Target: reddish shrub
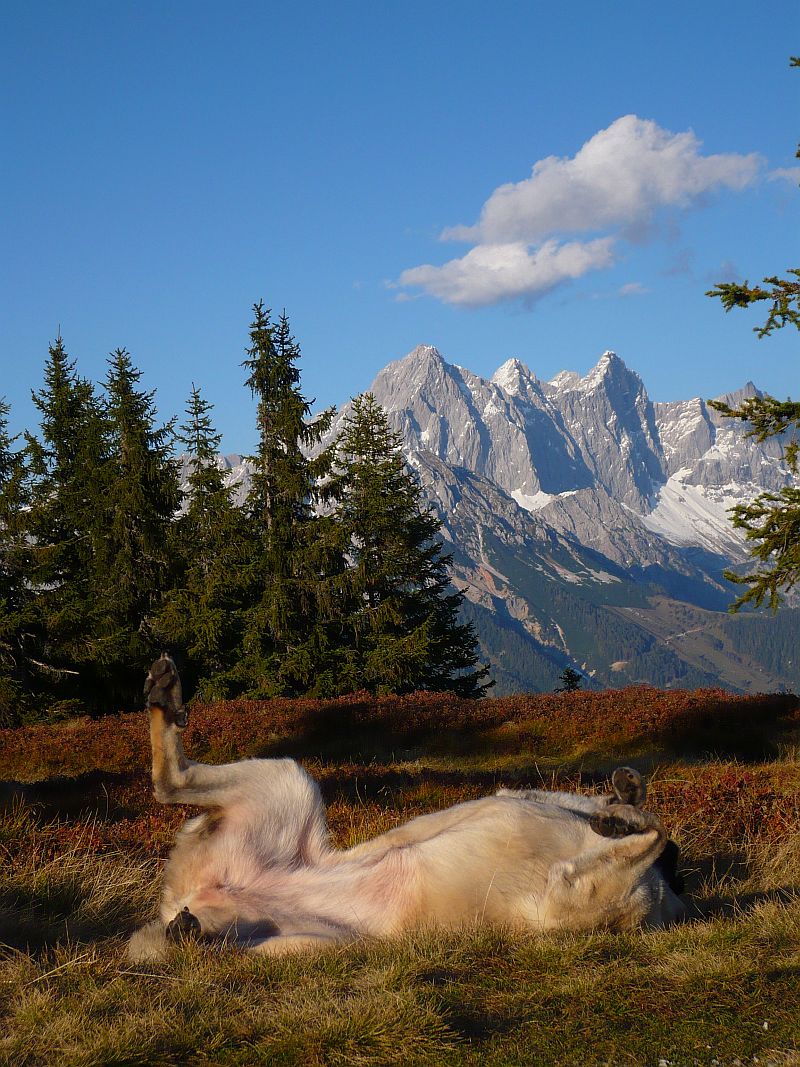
(363, 726)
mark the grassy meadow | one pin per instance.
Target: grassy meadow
(82, 840)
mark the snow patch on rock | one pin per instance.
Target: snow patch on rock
(686, 514)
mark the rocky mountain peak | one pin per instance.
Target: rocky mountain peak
(512, 375)
(733, 400)
(563, 382)
(423, 354)
(599, 433)
(419, 362)
(518, 380)
(610, 371)
(611, 420)
(738, 395)
(423, 370)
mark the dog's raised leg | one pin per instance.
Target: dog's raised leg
(176, 779)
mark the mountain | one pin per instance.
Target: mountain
(588, 525)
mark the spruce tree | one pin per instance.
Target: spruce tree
(286, 642)
(201, 618)
(63, 535)
(771, 522)
(18, 623)
(140, 496)
(403, 616)
(571, 681)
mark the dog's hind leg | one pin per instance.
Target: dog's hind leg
(176, 779)
(629, 788)
(247, 786)
(638, 834)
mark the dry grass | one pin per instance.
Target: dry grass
(78, 871)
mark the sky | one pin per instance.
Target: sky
(499, 180)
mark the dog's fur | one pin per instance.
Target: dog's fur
(257, 868)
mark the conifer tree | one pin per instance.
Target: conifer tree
(403, 613)
(290, 577)
(571, 681)
(771, 522)
(201, 618)
(62, 531)
(140, 495)
(18, 623)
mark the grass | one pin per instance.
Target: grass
(80, 850)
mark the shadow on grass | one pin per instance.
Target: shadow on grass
(105, 796)
(476, 1025)
(732, 905)
(39, 917)
(403, 728)
(382, 785)
(725, 870)
(93, 794)
(343, 735)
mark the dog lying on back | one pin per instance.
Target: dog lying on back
(257, 868)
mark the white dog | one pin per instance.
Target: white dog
(257, 869)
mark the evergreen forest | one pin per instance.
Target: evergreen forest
(328, 578)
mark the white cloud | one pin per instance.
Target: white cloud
(622, 176)
(785, 174)
(633, 289)
(618, 183)
(490, 273)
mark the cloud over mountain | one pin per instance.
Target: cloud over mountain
(616, 185)
(489, 273)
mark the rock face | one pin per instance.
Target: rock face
(634, 467)
(589, 526)
(517, 439)
(613, 424)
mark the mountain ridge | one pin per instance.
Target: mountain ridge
(588, 525)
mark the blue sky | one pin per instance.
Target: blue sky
(166, 165)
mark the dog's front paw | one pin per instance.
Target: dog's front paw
(184, 927)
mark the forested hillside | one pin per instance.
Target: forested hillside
(327, 577)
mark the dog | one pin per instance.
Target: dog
(257, 869)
